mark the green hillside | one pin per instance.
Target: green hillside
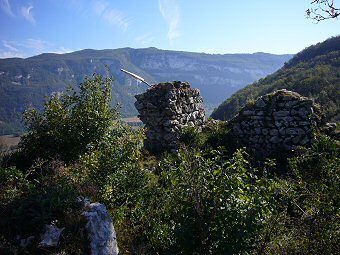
(314, 72)
(25, 82)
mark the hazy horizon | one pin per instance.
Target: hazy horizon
(236, 53)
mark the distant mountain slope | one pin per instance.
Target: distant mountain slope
(314, 72)
(26, 82)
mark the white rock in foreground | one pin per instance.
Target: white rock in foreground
(100, 230)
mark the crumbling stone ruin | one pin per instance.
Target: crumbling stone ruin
(280, 120)
(277, 122)
(164, 109)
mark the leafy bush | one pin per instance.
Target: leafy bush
(212, 205)
(13, 184)
(75, 146)
(306, 220)
(69, 124)
(213, 135)
(28, 204)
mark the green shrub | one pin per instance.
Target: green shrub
(212, 205)
(306, 219)
(13, 184)
(38, 202)
(69, 124)
(213, 135)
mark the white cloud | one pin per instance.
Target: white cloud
(36, 44)
(10, 54)
(61, 50)
(145, 40)
(29, 47)
(9, 46)
(27, 13)
(10, 50)
(111, 15)
(99, 7)
(116, 17)
(171, 14)
(6, 7)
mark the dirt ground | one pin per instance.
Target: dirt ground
(132, 119)
(8, 141)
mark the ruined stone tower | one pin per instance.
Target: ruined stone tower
(164, 109)
(282, 120)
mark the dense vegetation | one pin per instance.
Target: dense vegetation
(314, 72)
(209, 198)
(26, 82)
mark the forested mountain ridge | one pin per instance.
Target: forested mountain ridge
(25, 82)
(314, 72)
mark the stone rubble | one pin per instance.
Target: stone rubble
(50, 237)
(164, 109)
(280, 120)
(330, 129)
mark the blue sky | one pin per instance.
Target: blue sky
(31, 27)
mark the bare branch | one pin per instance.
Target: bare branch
(322, 10)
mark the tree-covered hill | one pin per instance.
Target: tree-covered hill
(314, 72)
(25, 82)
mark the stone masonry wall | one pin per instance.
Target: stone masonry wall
(280, 120)
(164, 109)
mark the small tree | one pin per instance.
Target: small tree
(70, 122)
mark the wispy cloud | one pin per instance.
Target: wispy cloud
(36, 44)
(10, 54)
(99, 7)
(9, 46)
(145, 40)
(10, 50)
(111, 15)
(117, 18)
(62, 49)
(27, 13)
(171, 14)
(29, 47)
(6, 7)
(102, 10)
